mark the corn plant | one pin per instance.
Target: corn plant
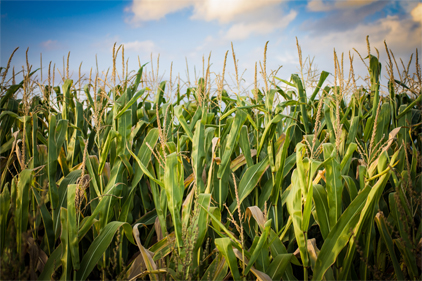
(134, 179)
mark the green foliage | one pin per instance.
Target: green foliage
(302, 181)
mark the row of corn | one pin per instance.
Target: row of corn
(290, 182)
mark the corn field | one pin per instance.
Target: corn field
(131, 178)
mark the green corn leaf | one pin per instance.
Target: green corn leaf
(99, 246)
(383, 123)
(173, 184)
(137, 96)
(204, 201)
(35, 159)
(47, 220)
(368, 212)
(9, 93)
(385, 234)
(88, 95)
(146, 256)
(216, 221)
(52, 264)
(112, 190)
(160, 202)
(197, 116)
(261, 276)
(322, 78)
(329, 112)
(250, 179)
(353, 130)
(144, 156)
(322, 210)
(217, 270)
(278, 266)
(301, 168)
(72, 224)
(228, 113)
(286, 82)
(334, 184)
(231, 142)
(280, 165)
(277, 248)
(302, 100)
(339, 235)
(268, 132)
(64, 237)
(341, 232)
(351, 187)
(124, 124)
(405, 247)
(145, 169)
(187, 206)
(159, 96)
(294, 206)
(245, 145)
(261, 242)
(125, 161)
(375, 72)
(307, 208)
(22, 205)
(198, 154)
(138, 77)
(57, 133)
(6, 146)
(368, 128)
(4, 214)
(106, 149)
(71, 178)
(225, 247)
(347, 158)
(178, 111)
(67, 99)
(163, 247)
(22, 119)
(149, 218)
(410, 106)
(73, 148)
(269, 99)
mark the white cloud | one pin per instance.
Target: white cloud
(223, 11)
(240, 18)
(408, 6)
(243, 30)
(50, 44)
(146, 10)
(230, 10)
(324, 6)
(402, 35)
(417, 13)
(140, 46)
(288, 57)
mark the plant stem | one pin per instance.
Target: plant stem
(305, 273)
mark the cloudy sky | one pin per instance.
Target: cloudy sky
(189, 29)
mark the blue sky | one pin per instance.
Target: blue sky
(188, 29)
